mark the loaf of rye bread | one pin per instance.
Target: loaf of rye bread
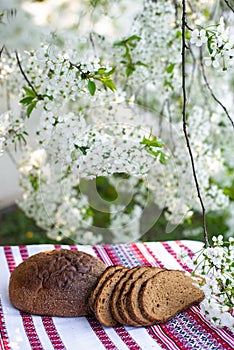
(55, 283)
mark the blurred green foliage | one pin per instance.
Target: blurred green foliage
(16, 228)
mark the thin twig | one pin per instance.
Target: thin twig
(176, 11)
(25, 76)
(11, 156)
(161, 118)
(193, 69)
(211, 91)
(230, 6)
(92, 43)
(185, 123)
(1, 51)
(170, 122)
(188, 26)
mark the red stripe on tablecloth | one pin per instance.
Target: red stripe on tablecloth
(46, 320)
(97, 328)
(101, 254)
(27, 320)
(4, 340)
(101, 250)
(1, 344)
(143, 258)
(140, 257)
(120, 330)
(219, 335)
(174, 255)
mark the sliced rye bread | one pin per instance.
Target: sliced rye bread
(110, 270)
(127, 318)
(166, 294)
(131, 300)
(116, 295)
(102, 307)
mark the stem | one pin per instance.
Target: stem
(185, 123)
(25, 76)
(211, 91)
(230, 6)
(193, 69)
(1, 51)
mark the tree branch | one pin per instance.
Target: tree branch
(228, 4)
(211, 91)
(185, 122)
(25, 76)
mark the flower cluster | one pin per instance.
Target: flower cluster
(215, 265)
(220, 44)
(12, 131)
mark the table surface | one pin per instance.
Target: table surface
(188, 330)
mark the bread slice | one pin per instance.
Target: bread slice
(102, 307)
(127, 318)
(132, 302)
(166, 294)
(117, 293)
(110, 270)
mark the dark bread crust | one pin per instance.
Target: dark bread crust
(55, 283)
(166, 294)
(132, 297)
(110, 270)
(117, 295)
(102, 307)
(128, 318)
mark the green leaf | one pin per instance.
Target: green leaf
(152, 142)
(101, 71)
(31, 108)
(209, 42)
(109, 84)
(129, 70)
(170, 68)
(110, 71)
(26, 100)
(127, 40)
(91, 87)
(139, 63)
(133, 37)
(29, 92)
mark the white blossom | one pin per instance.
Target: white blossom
(198, 37)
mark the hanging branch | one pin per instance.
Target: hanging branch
(170, 122)
(211, 91)
(185, 122)
(230, 6)
(161, 118)
(1, 51)
(193, 69)
(25, 76)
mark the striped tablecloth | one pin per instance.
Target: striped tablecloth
(188, 330)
